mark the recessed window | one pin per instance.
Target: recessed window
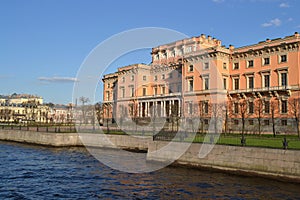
(266, 122)
(251, 82)
(224, 65)
(266, 61)
(251, 108)
(132, 78)
(123, 79)
(144, 91)
(191, 68)
(123, 92)
(236, 65)
(283, 122)
(283, 106)
(190, 108)
(132, 92)
(144, 78)
(205, 105)
(108, 85)
(162, 76)
(267, 107)
(266, 80)
(251, 122)
(250, 63)
(206, 83)
(283, 79)
(191, 85)
(206, 65)
(163, 90)
(236, 122)
(206, 121)
(155, 91)
(283, 58)
(225, 83)
(236, 83)
(236, 108)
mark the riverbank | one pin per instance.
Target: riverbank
(275, 163)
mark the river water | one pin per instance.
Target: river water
(35, 172)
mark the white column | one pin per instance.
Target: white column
(141, 109)
(147, 108)
(179, 107)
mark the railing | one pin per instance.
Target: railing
(264, 89)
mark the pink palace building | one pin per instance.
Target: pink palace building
(259, 83)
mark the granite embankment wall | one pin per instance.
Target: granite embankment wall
(277, 163)
(76, 139)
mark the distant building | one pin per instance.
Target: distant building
(259, 82)
(23, 108)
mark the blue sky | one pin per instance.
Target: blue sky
(43, 43)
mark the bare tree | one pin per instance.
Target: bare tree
(273, 108)
(243, 110)
(259, 112)
(294, 104)
(83, 101)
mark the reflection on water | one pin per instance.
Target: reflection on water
(34, 172)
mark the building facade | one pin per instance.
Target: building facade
(256, 84)
(23, 108)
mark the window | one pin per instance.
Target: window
(206, 65)
(162, 76)
(155, 90)
(236, 83)
(225, 83)
(188, 49)
(144, 91)
(266, 61)
(205, 105)
(250, 63)
(283, 106)
(191, 85)
(283, 79)
(224, 65)
(107, 95)
(283, 122)
(236, 122)
(108, 85)
(283, 58)
(206, 121)
(144, 78)
(251, 122)
(267, 107)
(191, 68)
(206, 83)
(266, 122)
(236, 108)
(123, 79)
(132, 91)
(123, 92)
(236, 65)
(266, 80)
(165, 55)
(190, 108)
(170, 89)
(251, 108)
(251, 82)
(163, 90)
(155, 78)
(132, 78)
